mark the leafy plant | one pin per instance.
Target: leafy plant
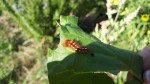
(103, 61)
(124, 27)
(20, 61)
(37, 18)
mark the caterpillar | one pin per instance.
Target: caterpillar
(75, 46)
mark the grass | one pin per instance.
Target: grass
(22, 61)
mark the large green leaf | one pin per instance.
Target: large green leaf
(66, 64)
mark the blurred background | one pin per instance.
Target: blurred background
(28, 28)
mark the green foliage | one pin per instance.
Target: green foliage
(38, 18)
(125, 30)
(7, 69)
(20, 61)
(143, 3)
(64, 62)
(5, 46)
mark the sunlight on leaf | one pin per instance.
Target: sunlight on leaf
(101, 58)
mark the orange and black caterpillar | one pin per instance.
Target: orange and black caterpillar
(75, 46)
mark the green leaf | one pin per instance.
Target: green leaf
(101, 58)
(70, 77)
